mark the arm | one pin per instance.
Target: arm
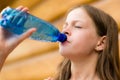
(8, 41)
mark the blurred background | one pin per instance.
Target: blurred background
(35, 60)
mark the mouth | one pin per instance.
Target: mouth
(65, 42)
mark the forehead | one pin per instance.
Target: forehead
(79, 14)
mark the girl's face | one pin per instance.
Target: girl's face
(81, 35)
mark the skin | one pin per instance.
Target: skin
(81, 45)
(8, 42)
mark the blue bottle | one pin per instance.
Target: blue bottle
(17, 22)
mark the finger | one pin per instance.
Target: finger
(20, 7)
(25, 9)
(26, 34)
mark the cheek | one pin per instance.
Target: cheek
(84, 44)
(76, 47)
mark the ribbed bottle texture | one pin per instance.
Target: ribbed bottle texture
(17, 22)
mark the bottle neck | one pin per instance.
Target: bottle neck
(62, 37)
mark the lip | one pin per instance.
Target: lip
(65, 42)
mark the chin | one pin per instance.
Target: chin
(64, 53)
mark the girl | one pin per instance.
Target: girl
(91, 48)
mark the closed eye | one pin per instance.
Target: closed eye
(78, 27)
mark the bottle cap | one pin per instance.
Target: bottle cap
(62, 37)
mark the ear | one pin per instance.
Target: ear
(101, 44)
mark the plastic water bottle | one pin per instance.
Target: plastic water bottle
(17, 22)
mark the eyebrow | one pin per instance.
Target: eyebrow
(78, 21)
(75, 21)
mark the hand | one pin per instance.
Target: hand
(8, 41)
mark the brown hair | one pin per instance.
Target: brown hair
(108, 65)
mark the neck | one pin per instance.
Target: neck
(84, 69)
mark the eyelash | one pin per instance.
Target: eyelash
(78, 27)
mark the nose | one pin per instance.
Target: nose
(67, 31)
